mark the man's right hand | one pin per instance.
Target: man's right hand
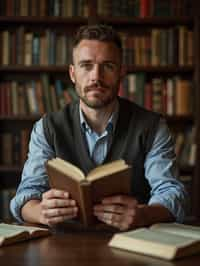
(57, 207)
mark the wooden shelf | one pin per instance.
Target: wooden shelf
(169, 118)
(179, 118)
(186, 169)
(43, 20)
(64, 69)
(20, 118)
(148, 21)
(160, 69)
(11, 168)
(35, 68)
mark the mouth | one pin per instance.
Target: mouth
(96, 89)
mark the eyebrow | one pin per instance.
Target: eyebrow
(90, 61)
(84, 61)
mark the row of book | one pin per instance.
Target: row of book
(70, 8)
(173, 46)
(34, 97)
(57, 8)
(14, 147)
(171, 96)
(5, 196)
(144, 8)
(35, 48)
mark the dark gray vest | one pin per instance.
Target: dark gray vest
(133, 138)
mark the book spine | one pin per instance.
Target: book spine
(86, 210)
(183, 97)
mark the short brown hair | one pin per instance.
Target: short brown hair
(99, 32)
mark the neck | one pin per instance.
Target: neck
(98, 118)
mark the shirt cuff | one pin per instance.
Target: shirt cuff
(175, 208)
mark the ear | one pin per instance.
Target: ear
(71, 73)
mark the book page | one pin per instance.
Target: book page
(159, 237)
(10, 233)
(8, 230)
(107, 169)
(66, 167)
(155, 243)
(178, 229)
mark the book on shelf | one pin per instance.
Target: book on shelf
(14, 147)
(55, 8)
(105, 180)
(11, 233)
(183, 99)
(163, 240)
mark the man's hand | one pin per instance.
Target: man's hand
(57, 207)
(120, 211)
(125, 213)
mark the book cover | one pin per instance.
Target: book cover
(106, 180)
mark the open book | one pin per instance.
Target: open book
(10, 233)
(164, 240)
(113, 178)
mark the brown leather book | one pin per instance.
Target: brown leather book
(109, 179)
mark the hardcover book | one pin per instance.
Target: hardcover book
(109, 179)
(164, 240)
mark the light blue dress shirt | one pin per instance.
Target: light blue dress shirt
(160, 167)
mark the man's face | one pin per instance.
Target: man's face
(96, 72)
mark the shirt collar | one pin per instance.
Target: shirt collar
(111, 125)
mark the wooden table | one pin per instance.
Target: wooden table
(79, 249)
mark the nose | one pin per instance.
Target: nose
(96, 73)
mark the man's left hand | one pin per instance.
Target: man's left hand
(120, 211)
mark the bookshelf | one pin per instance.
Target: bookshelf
(54, 25)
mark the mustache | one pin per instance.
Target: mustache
(97, 85)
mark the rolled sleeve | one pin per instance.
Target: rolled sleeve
(34, 180)
(19, 200)
(161, 172)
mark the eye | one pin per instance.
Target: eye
(86, 66)
(109, 66)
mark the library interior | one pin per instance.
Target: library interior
(161, 60)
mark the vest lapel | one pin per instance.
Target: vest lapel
(119, 143)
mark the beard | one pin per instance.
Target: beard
(98, 101)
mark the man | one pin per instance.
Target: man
(102, 127)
